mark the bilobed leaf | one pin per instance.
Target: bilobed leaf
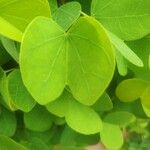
(67, 14)
(83, 119)
(11, 47)
(120, 118)
(7, 143)
(111, 136)
(20, 97)
(128, 19)
(125, 50)
(52, 60)
(15, 15)
(60, 106)
(131, 89)
(104, 103)
(38, 119)
(8, 122)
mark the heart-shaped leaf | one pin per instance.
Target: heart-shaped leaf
(52, 58)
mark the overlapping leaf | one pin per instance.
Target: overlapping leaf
(52, 58)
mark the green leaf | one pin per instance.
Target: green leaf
(52, 58)
(4, 56)
(145, 97)
(53, 5)
(16, 15)
(83, 119)
(121, 64)
(67, 14)
(5, 93)
(120, 118)
(8, 122)
(18, 93)
(131, 89)
(60, 106)
(9, 30)
(104, 103)
(125, 50)
(146, 110)
(128, 19)
(142, 49)
(35, 144)
(11, 47)
(38, 119)
(111, 136)
(7, 143)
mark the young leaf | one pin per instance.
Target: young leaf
(38, 119)
(4, 91)
(104, 103)
(8, 122)
(67, 14)
(128, 19)
(121, 64)
(7, 143)
(11, 47)
(120, 118)
(131, 89)
(18, 93)
(60, 106)
(111, 136)
(145, 97)
(83, 119)
(4, 56)
(52, 58)
(16, 15)
(35, 144)
(125, 50)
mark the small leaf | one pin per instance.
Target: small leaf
(20, 97)
(146, 110)
(8, 122)
(125, 50)
(35, 144)
(145, 97)
(120, 118)
(52, 60)
(38, 119)
(7, 143)
(83, 119)
(121, 64)
(67, 14)
(131, 89)
(104, 103)
(11, 48)
(111, 136)
(60, 106)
